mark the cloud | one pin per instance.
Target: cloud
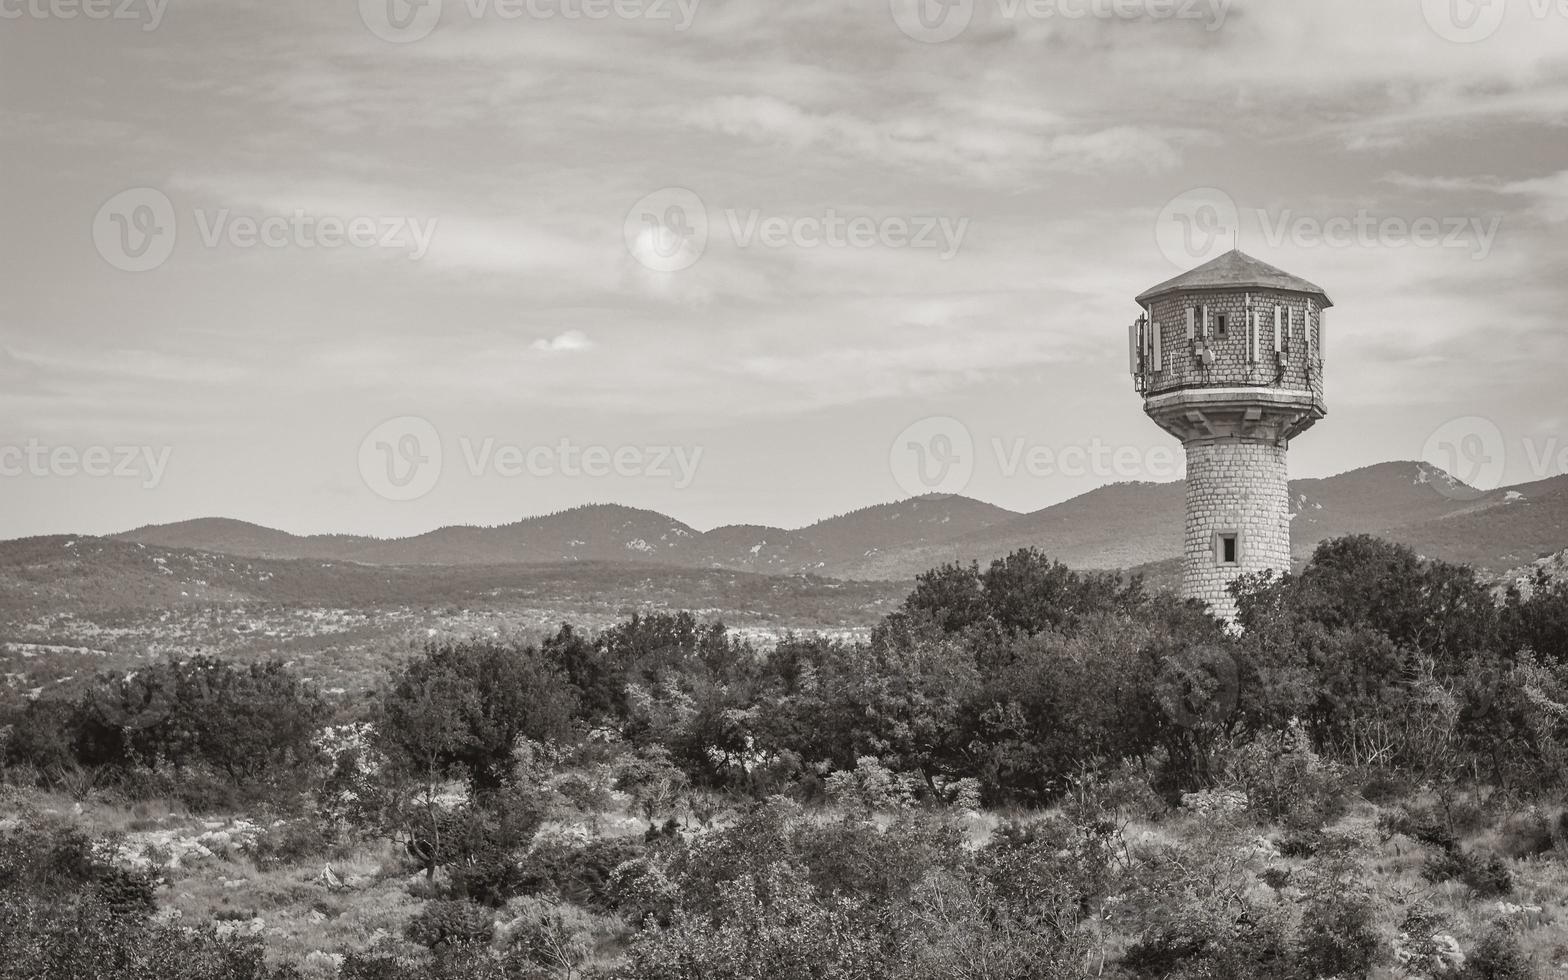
(571, 340)
(949, 136)
(1547, 195)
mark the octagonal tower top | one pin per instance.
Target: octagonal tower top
(1235, 270)
(1232, 347)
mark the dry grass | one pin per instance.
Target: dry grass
(299, 915)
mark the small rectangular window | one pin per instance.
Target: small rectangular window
(1220, 325)
(1227, 549)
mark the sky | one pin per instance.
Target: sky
(374, 266)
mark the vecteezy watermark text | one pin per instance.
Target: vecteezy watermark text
(1199, 224)
(35, 459)
(676, 464)
(403, 21)
(1474, 454)
(670, 229)
(137, 230)
(938, 455)
(935, 21)
(402, 459)
(1364, 229)
(148, 12)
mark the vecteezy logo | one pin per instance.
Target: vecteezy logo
(1472, 451)
(1464, 21)
(932, 21)
(934, 455)
(667, 231)
(400, 21)
(135, 230)
(1196, 226)
(401, 458)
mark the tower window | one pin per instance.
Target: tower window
(1227, 548)
(1219, 325)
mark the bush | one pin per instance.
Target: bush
(1498, 957)
(454, 961)
(124, 892)
(1383, 786)
(1338, 934)
(60, 863)
(578, 873)
(1288, 783)
(1488, 877)
(559, 937)
(75, 939)
(441, 923)
(293, 843)
(1526, 835)
(461, 708)
(1216, 940)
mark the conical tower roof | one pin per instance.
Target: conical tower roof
(1236, 270)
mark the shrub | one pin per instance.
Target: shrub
(293, 843)
(579, 873)
(1213, 939)
(453, 961)
(74, 939)
(479, 837)
(1288, 783)
(1498, 957)
(1418, 829)
(559, 937)
(1383, 786)
(125, 892)
(766, 925)
(642, 893)
(460, 708)
(441, 923)
(1488, 877)
(59, 863)
(1525, 835)
(1338, 934)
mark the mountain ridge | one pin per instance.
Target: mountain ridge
(1119, 525)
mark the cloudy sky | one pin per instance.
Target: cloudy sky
(277, 260)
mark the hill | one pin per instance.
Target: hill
(1124, 525)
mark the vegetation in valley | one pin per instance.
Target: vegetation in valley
(1022, 772)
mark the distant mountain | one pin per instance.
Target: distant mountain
(754, 548)
(1129, 525)
(1118, 526)
(1374, 498)
(1513, 526)
(920, 522)
(1124, 525)
(230, 537)
(609, 532)
(47, 577)
(598, 532)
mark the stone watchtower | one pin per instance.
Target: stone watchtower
(1229, 359)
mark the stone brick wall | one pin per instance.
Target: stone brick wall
(1234, 486)
(1183, 367)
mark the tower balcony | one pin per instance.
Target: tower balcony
(1198, 415)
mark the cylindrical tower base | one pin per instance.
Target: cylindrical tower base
(1238, 517)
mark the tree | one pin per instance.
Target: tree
(249, 722)
(1435, 607)
(459, 708)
